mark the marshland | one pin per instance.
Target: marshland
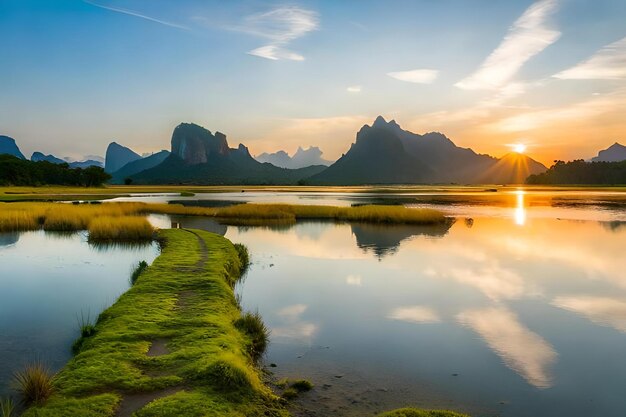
(373, 299)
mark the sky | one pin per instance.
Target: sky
(549, 74)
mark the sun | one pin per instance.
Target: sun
(519, 148)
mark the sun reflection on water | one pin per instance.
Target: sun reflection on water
(520, 210)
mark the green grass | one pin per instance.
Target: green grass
(6, 407)
(34, 384)
(252, 325)
(244, 256)
(302, 385)
(134, 276)
(187, 299)
(414, 412)
(86, 329)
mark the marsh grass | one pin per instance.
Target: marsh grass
(6, 407)
(125, 221)
(34, 384)
(86, 328)
(137, 271)
(290, 394)
(128, 228)
(253, 326)
(244, 257)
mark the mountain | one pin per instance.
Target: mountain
(8, 146)
(86, 164)
(302, 158)
(201, 157)
(139, 165)
(38, 156)
(384, 153)
(117, 156)
(613, 153)
(377, 157)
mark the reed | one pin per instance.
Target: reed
(128, 228)
(6, 407)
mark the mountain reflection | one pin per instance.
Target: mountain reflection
(385, 239)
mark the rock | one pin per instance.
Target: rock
(8, 146)
(117, 156)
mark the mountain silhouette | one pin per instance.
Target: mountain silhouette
(138, 165)
(117, 156)
(384, 153)
(302, 158)
(201, 157)
(38, 156)
(613, 153)
(8, 146)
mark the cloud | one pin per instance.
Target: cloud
(581, 111)
(602, 310)
(528, 36)
(522, 350)
(609, 63)
(136, 14)
(354, 280)
(418, 76)
(354, 89)
(280, 26)
(275, 53)
(415, 314)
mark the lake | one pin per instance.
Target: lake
(516, 308)
(47, 281)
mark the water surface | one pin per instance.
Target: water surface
(47, 281)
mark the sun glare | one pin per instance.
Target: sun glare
(519, 148)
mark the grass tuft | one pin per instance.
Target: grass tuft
(290, 394)
(128, 228)
(252, 325)
(244, 256)
(86, 328)
(141, 266)
(34, 384)
(302, 385)
(6, 407)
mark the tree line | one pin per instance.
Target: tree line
(20, 172)
(581, 172)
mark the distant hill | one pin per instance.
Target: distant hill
(9, 147)
(86, 164)
(117, 156)
(581, 172)
(613, 153)
(384, 153)
(38, 156)
(302, 158)
(139, 165)
(201, 157)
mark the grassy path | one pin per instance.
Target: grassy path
(184, 304)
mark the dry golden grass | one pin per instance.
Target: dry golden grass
(68, 217)
(370, 214)
(128, 228)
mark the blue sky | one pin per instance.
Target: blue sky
(76, 75)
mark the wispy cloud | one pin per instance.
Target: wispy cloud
(414, 314)
(280, 26)
(354, 89)
(528, 36)
(609, 63)
(418, 76)
(137, 14)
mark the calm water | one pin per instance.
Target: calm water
(518, 308)
(46, 281)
